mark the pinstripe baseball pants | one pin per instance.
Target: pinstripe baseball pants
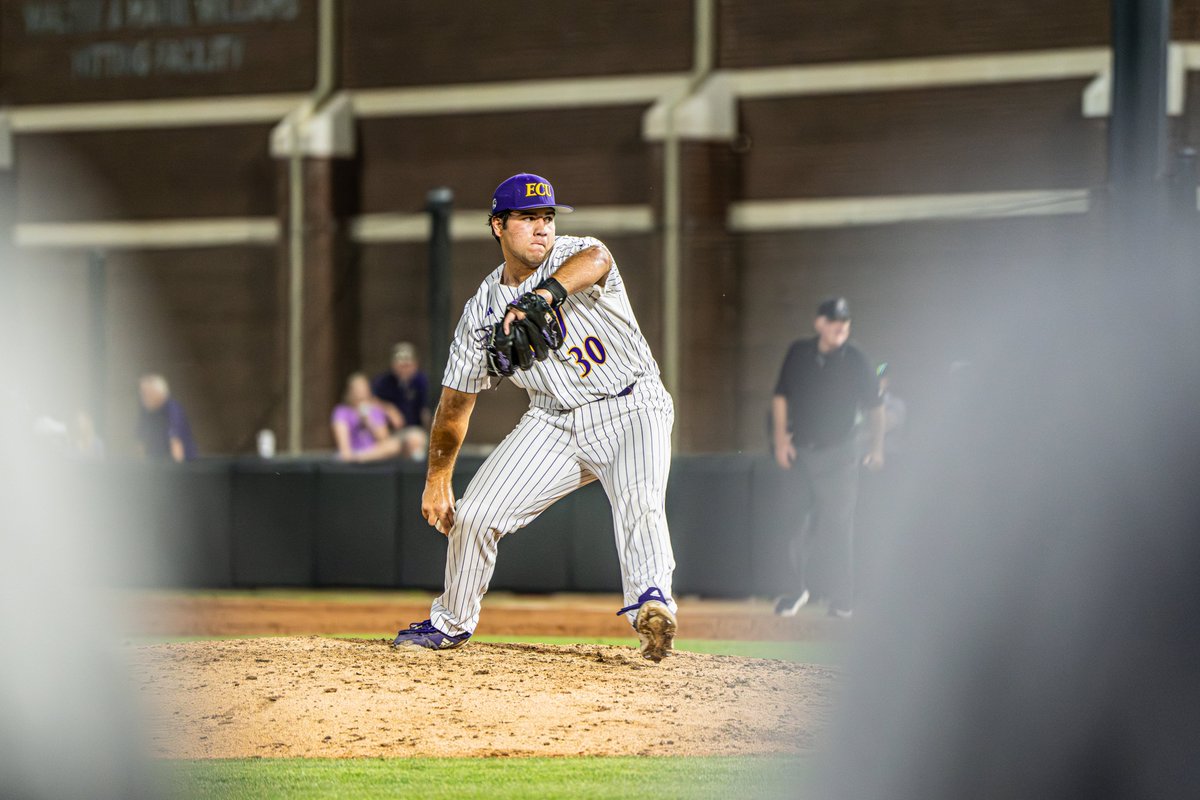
(624, 442)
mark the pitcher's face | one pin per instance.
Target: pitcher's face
(527, 236)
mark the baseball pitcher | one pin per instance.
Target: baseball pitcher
(555, 319)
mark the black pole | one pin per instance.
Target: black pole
(1137, 145)
(1137, 134)
(97, 341)
(439, 203)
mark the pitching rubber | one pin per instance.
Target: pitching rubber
(655, 626)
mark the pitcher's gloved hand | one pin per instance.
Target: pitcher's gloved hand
(507, 352)
(530, 337)
(540, 323)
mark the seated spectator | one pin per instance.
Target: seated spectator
(412, 442)
(359, 422)
(404, 391)
(163, 430)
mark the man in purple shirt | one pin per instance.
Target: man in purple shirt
(163, 430)
(404, 389)
(404, 393)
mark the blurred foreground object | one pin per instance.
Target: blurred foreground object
(1035, 633)
(69, 724)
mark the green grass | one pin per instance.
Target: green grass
(495, 779)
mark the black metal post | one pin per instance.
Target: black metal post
(97, 339)
(1137, 145)
(439, 203)
(1137, 136)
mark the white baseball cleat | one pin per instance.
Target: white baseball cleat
(654, 623)
(655, 627)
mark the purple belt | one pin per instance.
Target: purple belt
(627, 390)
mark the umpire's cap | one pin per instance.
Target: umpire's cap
(524, 191)
(834, 308)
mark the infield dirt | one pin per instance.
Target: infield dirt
(319, 697)
(573, 615)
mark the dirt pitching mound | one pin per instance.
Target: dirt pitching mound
(318, 697)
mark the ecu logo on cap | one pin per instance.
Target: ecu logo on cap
(537, 190)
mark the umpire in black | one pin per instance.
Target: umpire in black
(824, 384)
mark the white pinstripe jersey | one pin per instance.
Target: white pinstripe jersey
(603, 351)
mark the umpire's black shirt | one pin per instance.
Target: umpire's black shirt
(824, 392)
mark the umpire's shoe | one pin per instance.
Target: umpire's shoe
(655, 624)
(423, 634)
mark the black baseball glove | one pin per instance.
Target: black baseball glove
(528, 340)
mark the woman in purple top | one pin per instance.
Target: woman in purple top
(359, 422)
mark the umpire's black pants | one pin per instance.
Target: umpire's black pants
(822, 550)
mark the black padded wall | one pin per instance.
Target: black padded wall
(221, 523)
(355, 533)
(274, 523)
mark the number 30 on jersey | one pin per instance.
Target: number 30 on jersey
(592, 351)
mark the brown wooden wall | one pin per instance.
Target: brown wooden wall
(767, 34)
(156, 173)
(1185, 131)
(214, 319)
(92, 52)
(596, 155)
(208, 319)
(407, 43)
(756, 34)
(963, 139)
(222, 315)
(1185, 20)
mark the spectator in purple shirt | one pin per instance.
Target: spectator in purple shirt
(360, 424)
(163, 430)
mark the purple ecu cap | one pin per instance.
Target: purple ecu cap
(834, 308)
(523, 192)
